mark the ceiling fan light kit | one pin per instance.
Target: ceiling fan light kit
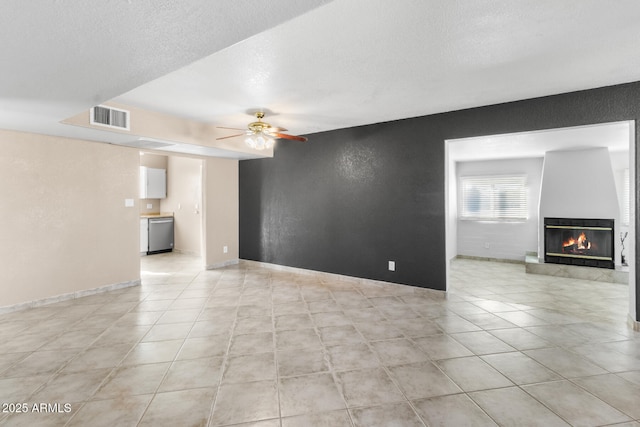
(261, 135)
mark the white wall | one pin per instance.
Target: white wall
(506, 240)
(578, 184)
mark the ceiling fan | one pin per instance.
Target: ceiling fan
(261, 135)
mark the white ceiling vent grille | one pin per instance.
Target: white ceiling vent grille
(110, 117)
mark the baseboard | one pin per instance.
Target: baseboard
(222, 264)
(186, 252)
(633, 324)
(479, 258)
(321, 275)
(68, 296)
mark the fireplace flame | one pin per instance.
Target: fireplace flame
(580, 243)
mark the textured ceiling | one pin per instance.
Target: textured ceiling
(315, 65)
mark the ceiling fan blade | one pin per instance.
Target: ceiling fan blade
(231, 136)
(285, 136)
(277, 129)
(222, 127)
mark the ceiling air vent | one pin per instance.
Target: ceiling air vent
(110, 117)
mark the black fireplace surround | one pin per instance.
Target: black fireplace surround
(575, 241)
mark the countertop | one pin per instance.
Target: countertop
(157, 215)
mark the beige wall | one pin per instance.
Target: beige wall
(221, 211)
(65, 227)
(184, 199)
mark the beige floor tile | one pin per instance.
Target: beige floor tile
(323, 306)
(98, 357)
(422, 380)
(298, 338)
(335, 335)
(241, 403)
(482, 342)
(416, 328)
(121, 334)
(301, 362)
(393, 414)
(41, 363)
(564, 362)
(633, 377)
(211, 346)
(222, 310)
(74, 339)
(251, 343)
(513, 407)
(250, 367)
(40, 419)
(438, 347)
(454, 323)
(574, 404)
(193, 373)
(309, 394)
(111, 412)
(355, 356)
(520, 339)
(133, 380)
(18, 389)
(520, 368)
(334, 318)
(9, 359)
(368, 387)
(153, 352)
(207, 328)
(398, 352)
(322, 419)
(364, 315)
(452, 411)
(287, 322)
(71, 387)
(297, 307)
(472, 374)
(617, 392)
(606, 357)
(168, 331)
(378, 330)
(253, 325)
(183, 408)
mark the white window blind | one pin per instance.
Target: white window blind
(493, 197)
(625, 198)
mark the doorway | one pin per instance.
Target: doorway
(618, 137)
(183, 201)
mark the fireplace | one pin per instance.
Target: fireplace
(572, 241)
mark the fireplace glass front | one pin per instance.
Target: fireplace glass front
(574, 241)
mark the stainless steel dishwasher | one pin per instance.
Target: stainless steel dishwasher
(160, 235)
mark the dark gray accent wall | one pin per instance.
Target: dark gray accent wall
(350, 200)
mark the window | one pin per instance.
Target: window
(501, 198)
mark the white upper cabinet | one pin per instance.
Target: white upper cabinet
(153, 183)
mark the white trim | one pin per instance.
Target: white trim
(68, 296)
(633, 324)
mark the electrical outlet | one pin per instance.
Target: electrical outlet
(149, 206)
(225, 249)
(392, 266)
(486, 245)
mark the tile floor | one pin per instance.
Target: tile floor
(249, 346)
